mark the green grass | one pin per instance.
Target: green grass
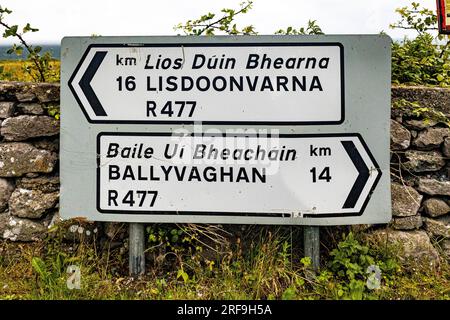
(260, 263)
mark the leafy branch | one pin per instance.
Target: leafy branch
(40, 62)
(414, 109)
(415, 18)
(422, 60)
(312, 28)
(208, 25)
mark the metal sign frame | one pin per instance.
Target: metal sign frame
(367, 113)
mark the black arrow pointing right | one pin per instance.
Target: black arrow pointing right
(363, 176)
(85, 83)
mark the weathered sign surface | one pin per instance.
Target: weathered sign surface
(267, 129)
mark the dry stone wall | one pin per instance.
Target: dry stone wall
(420, 167)
(29, 183)
(420, 151)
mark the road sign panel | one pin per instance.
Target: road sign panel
(129, 105)
(216, 84)
(287, 176)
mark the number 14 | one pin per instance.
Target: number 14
(324, 174)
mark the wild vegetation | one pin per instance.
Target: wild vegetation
(261, 263)
(38, 66)
(18, 70)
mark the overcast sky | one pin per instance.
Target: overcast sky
(58, 18)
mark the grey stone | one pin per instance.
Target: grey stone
(24, 127)
(431, 138)
(407, 223)
(47, 92)
(412, 245)
(7, 88)
(18, 158)
(6, 189)
(17, 229)
(405, 200)
(435, 207)
(400, 137)
(6, 109)
(33, 204)
(27, 92)
(434, 187)
(30, 108)
(26, 96)
(51, 144)
(31, 175)
(423, 161)
(445, 246)
(446, 147)
(439, 227)
(419, 124)
(431, 97)
(42, 183)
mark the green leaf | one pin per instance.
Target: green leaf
(183, 275)
(19, 51)
(5, 10)
(39, 266)
(10, 32)
(289, 294)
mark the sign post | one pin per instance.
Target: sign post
(136, 249)
(286, 130)
(311, 245)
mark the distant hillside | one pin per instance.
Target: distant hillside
(55, 49)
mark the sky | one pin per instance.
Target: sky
(57, 18)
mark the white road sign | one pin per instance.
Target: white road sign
(287, 130)
(212, 83)
(287, 176)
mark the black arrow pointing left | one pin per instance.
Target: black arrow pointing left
(363, 175)
(85, 83)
